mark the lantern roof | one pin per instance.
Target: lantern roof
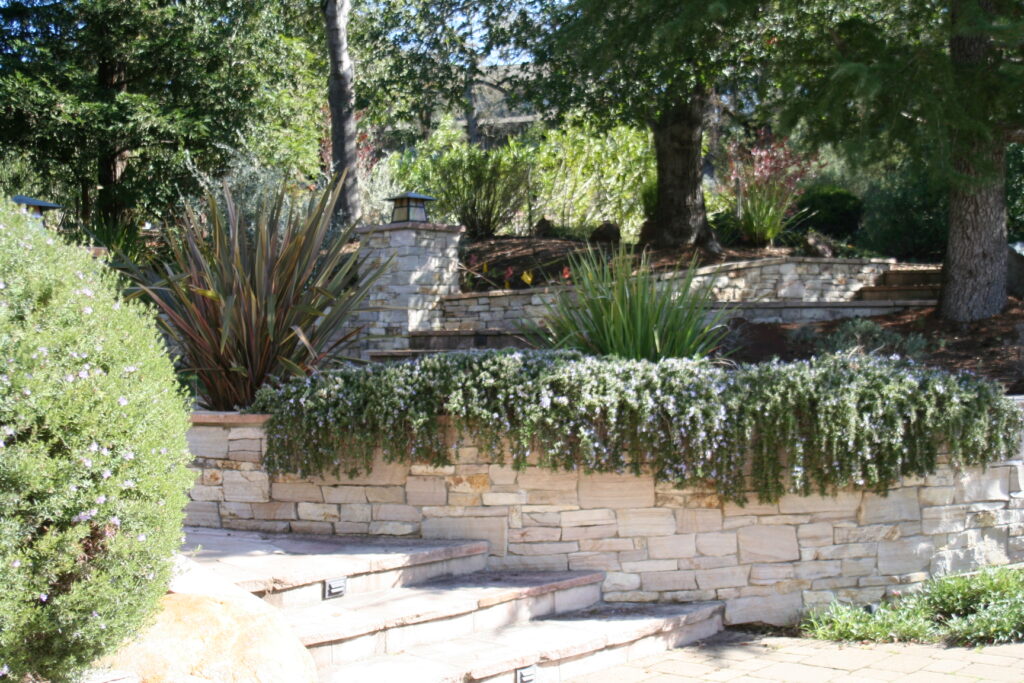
(412, 195)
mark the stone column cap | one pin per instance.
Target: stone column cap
(410, 225)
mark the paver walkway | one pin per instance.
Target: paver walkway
(750, 658)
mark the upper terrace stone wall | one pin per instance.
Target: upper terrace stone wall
(772, 290)
(419, 291)
(768, 562)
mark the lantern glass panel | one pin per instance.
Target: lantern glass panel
(400, 214)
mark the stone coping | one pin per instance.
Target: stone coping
(408, 225)
(704, 270)
(882, 303)
(209, 418)
(218, 418)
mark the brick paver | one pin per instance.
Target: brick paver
(744, 657)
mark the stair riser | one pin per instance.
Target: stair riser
(895, 278)
(574, 667)
(915, 293)
(312, 594)
(486, 620)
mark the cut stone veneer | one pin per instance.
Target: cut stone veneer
(423, 268)
(768, 562)
(791, 289)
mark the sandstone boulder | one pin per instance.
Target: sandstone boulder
(210, 630)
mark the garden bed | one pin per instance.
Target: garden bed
(993, 348)
(507, 259)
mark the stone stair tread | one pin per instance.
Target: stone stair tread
(352, 616)
(258, 561)
(899, 288)
(546, 640)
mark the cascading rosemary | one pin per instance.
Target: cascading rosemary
(806, 426)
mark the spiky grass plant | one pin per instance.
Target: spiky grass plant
(618, 308)
(248, 301)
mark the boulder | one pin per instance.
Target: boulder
(544, 228)
(210, 630)
(606, 233)
(817, 245)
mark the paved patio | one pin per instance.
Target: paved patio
(751, 658)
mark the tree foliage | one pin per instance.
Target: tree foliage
(112, 101)
(648, 63)
(941, 80)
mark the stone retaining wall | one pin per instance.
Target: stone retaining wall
(655, 543)
(782, 281)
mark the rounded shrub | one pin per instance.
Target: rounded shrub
(93, 456)
(830, 210)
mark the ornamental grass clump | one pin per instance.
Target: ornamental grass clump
(93, 475)
(621, 308)
(809, 426)
(248, 300)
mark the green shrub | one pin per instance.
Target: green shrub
(866, 336)
(905, 217)
(483, 188)
(577, 176)
(616, 310)
(967, 609)
(997, 622)
(92, 457)
(807, 426)
(902, 621)
(830, 210)
(247, 302)
(583, 175)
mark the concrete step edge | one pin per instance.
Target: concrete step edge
(566, 640)
(334, 621)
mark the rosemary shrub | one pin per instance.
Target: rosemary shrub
(808, 426)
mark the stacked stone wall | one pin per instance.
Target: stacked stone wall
(421, 262)
(793, 289)
(768, 562)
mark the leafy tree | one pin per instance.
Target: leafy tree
(420, 57)
(652, 63)
(942, 81)
(117, 99)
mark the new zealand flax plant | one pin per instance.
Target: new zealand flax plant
(247, 300)
(618, 307)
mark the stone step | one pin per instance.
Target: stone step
(561, 647)
(900, 292)
(918, 276)
(289, 570)
(399, 355)
(483, 338)
(395, 620)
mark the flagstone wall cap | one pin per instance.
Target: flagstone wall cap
(216, 418)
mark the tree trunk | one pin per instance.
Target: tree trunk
(112, 79)
(469, 111)
(974, 281)
(341, 98)
(679, 216)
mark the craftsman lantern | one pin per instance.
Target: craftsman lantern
(410, 207)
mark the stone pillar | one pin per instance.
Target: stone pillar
(424, 268)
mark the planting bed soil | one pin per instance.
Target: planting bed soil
(993, 347)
